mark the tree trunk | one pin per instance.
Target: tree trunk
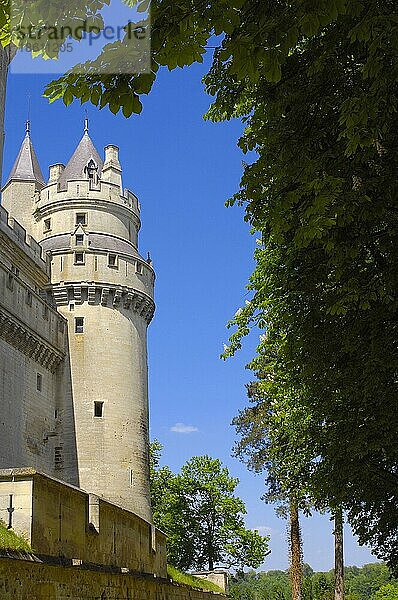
(338, 556)
(296, 571)
(6, 56)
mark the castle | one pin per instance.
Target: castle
(76, 298)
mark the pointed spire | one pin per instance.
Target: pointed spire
(26, 166)
(76, 167)
(86, 122)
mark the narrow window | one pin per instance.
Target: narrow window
(28, 298)
(10, 281)
(79, 258)
(131, 476)
(112, 260)
(71, 306)
(81, 219)
(61, 263)
(95, 263)
(138, 268)
(39, 382)
(98, 409)
(77, 189)
(79, 239)
(15, 270)
(79, 324)
(47, 225)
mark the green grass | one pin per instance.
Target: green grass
(11, 541)
(196, 582)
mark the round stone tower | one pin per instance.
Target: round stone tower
(104, 288)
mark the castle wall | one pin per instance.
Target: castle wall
(62, 520)
(33, 374)
(23, 579)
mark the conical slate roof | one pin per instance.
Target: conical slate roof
(81, 156)
(26, 166)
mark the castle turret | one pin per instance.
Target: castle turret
(23, 184)
(104, 288)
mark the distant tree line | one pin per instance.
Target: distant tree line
(370, 582)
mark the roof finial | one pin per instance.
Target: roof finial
(86, 122)
(27, 122)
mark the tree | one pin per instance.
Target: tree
(338, 555)
(202, 517)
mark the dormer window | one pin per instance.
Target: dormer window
(91, 170)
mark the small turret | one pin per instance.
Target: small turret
(26, 166)
(24, 181)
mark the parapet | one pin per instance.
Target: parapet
(26, 242)
(61, 520)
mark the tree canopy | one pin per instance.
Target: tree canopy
(201, 516)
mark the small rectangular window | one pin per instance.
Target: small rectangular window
(81, 219)
(39, 382)
(28, 298)
(131, 477)
(79, 324)
(47, 225)
(15, 270)
(79, 258)
(98, 409)
(138, 268)
(10, 281)
(112, 260)
(71, 306)
(79, 239)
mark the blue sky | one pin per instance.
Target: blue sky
(182, 169)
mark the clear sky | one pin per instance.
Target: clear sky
(182, 169)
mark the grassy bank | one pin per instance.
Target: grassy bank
(11, 541)
(196, 582)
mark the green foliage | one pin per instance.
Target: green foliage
(196, 582)
(11, 541)
(387, 592)
(369, 582)
(201, 517)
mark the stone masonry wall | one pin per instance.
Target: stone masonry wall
(60, 520)
(28, 580)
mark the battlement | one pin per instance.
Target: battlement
(21, 238)
(80, 190)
